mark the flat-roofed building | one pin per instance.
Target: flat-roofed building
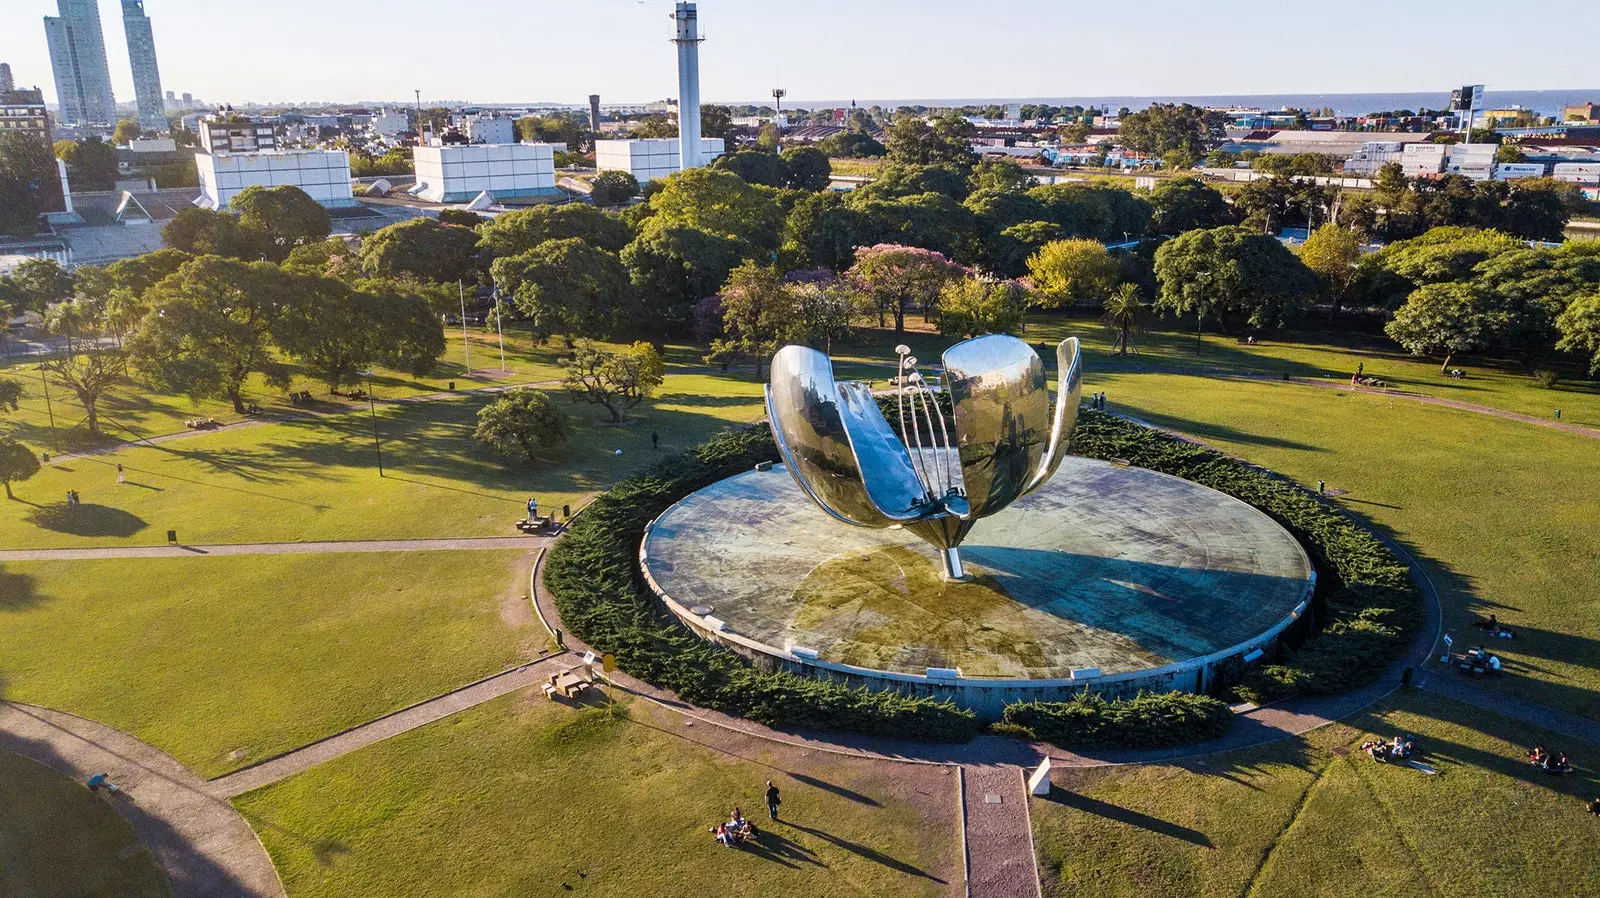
(323, 174)
(459, 173)
(225, 133)
(24, 111)
(648, 160)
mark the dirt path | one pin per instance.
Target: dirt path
(480, 543)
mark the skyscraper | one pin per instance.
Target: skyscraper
(78, 57)
(146, 76)
(6, 83)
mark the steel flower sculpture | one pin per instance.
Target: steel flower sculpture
(934, 477)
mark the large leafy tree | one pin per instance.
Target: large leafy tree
(851, 144)
(675, 266)
(721, 203)
(37, 283)
(1447, 320)
(946, 140)
(517, 232)
(285, 217)
(754, 166)
(1183, 204)
(898, 278)
(899, 180)
(29, 186)
(1163, 127)
(1107, 214)
(1230, 272)
(1067, 272)
(1333, 253)
(971, 307)
(758, 315)
(337, 331)
(91, 366)
(570, 287)
(806, 168)
(17, 462)
(823, 231)
(422, 248)
(617, 380)
(1001, 174)
(522, 424)
(210, 327)
(1579, 325)
(94, 165)
(932, 221)
(613, 188)
(204, 232)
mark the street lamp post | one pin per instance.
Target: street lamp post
(466, 347)
(54, 443)
(372, 409)
(499, 325)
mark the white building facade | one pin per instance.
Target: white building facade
(649, 160)
(459, 173)
(323, 174)
(491, 130)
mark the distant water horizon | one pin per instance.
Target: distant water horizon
(1544, 102)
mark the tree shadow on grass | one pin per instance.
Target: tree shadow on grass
(87, 520)
(1126, 815)
(326, 851)
(18, 592)
(860, 850)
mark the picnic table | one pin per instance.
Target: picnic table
(1475, 661)
(568, 682)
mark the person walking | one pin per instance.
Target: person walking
(122, 476)
(533, 508)
(655, 440)
(773, 800)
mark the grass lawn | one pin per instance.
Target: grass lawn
(522, 797)
(58, 840)
(1315, 816)
(316, 479)
(224, 661)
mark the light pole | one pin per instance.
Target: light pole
(54, 443)
(499, 325)
(465, 346)
(372, 409)
(1199, 310)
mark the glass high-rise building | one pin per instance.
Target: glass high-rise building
(78, 57)
(146, 75)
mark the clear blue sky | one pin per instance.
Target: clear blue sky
(527, 50)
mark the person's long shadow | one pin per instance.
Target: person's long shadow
(840, 791)
(1131, 817)
(770, 846)
(871, 854)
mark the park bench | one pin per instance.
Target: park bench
(535, 524)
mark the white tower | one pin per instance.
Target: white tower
(688, 41)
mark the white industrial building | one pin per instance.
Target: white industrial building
(482, 129)
(1475, 161)
(1422, 159)
(323, 174)
(648, 160)
(1373, 155)
(459, 173)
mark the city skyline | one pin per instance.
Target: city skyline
(299, 51)
(79, 66)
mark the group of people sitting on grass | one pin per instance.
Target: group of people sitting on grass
(1397, 750)
(736, 831)
(1493, 627)
(1556, 764)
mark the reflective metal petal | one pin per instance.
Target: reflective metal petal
(808, 412)
(1069, 392)
(1001, 406)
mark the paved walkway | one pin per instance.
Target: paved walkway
(999, 847)
(307, 548)
(287, 765)
(203, 844)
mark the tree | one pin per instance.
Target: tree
(422, 248)
(1509, 153)
(1107, 214)
(127, 131)
(898, 278)
(89, 371)
(461, 218)
(1067, 272)
(754, 166)
(613, 188)
(209, 328)
(337, 331)
(17, 463)
(1162, 127)
(11, 393)
(931, 221)
(1333, 253)
(39, 283)
(1447, 319)
(567, 286)
(522, 424)
(674, 266)
(1580, 329)
(94, 165)
(1124, 315)
(852, 144)
(898, 180)
(1231, 271)
(617, 380)
(758, 315)
(1183, 204)
(517, 232)
(971, 307)
(285, 216)
(719, 202)
(204, 232)
(806, 168)
(1002, 175)
(717, 122)
(823, 231)
(915, 141)
(29, 185)
(825, 308)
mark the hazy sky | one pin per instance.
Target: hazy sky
(528, 50)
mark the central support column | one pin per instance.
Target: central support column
(952, 564)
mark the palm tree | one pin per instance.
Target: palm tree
(1124, 316)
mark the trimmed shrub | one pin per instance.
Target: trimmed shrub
(1145, 721)
(593, 571)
